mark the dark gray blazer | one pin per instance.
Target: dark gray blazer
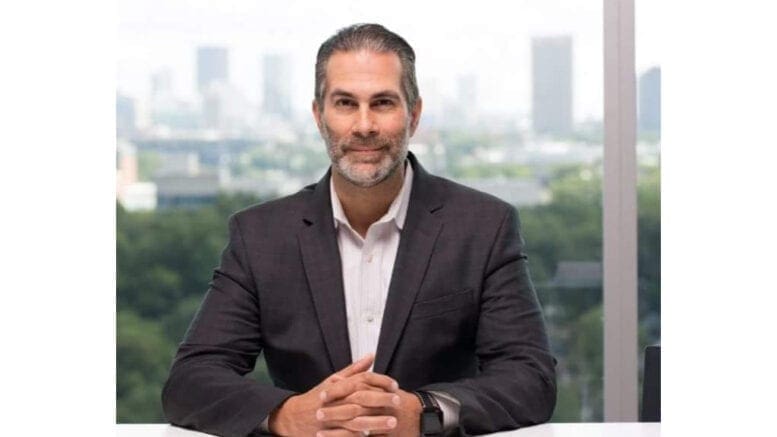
(461, 314)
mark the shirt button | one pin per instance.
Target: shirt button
(369, 258)
(370, 319)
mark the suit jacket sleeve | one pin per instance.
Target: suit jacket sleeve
(516, 382)
(206, 389)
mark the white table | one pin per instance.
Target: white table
(546, 430)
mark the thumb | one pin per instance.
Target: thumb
(361, 365)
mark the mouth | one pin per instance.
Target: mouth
(365, 155)
(365, 151)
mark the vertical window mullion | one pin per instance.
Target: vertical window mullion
(620, 214)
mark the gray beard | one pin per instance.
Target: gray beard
(382, 172)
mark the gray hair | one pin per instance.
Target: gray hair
(373, 37)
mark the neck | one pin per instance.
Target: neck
(365, 206)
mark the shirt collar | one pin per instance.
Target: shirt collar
(397, 211)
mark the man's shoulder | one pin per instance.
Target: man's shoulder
(279, 210)
(460, 198)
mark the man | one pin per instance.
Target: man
(386, 300)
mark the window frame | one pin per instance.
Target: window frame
(619, 214)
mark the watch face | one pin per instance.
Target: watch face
(431, 422)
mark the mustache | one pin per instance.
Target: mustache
(365, 143)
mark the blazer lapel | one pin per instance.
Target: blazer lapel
(419, 235)
(321, 259)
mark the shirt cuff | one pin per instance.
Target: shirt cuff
(450, 410)
(264, 427)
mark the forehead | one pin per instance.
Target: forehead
(363, 72)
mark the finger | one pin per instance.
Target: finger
(365, 386)
(348, 411)
(334, 378)
(338, 432)
(338, 390)
(360, 385)
(377, 424)
(361, 365)
(355, 383)
(378, 380)
(373, 399)
(340, 412)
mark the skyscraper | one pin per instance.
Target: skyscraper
(162, 83)
(650, 101)
(552, 85)
(212, 66)
(276, 71)
(463, 111)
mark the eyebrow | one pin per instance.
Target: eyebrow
(381, 94)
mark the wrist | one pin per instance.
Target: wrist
(416, 407)
(278, 422)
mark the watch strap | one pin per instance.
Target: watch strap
(431, 420)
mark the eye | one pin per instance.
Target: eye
(344, 103)
(383, 103)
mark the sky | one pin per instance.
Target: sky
(490, 39)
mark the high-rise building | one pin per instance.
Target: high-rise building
(650, 101)
(212, 67)
(462, 109)
(162, 100)
(224, 108)
(552, 85)
(276, 72)
(162, 84)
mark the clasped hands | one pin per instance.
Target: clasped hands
(352, 402)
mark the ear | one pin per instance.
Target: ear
(415, 115)
(317, 113)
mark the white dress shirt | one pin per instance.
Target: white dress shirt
(367, 266)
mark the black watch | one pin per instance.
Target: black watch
(431, 415)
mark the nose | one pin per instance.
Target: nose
(365, 125)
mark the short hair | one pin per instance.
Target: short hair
(372, 37)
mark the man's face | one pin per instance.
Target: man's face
(364, 119)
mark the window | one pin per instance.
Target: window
(213, 114)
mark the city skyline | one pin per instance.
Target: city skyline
(551, 71)
(495, 47)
